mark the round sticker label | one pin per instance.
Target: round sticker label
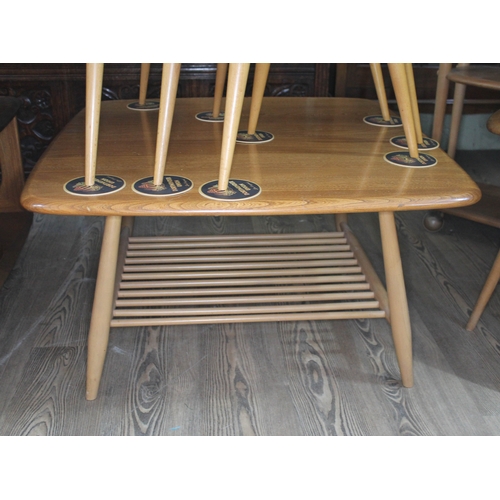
(147, 106)
(207, 116)
(103, 184)
(260, 136)
(237, 190)
(379, 121)
(403, 159)
(401, 142)
(171, 185)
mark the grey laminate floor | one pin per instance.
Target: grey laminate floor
(297, 378)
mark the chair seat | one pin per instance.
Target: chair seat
(9, 106)
(487, 77)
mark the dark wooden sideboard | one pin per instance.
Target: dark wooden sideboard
(53, 93)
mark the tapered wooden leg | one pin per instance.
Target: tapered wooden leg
(442, 87)
(236, 83)
(220, 80)
(378, 80)
(414, 102)
(143, 85)
(95, 73)
(259, 86)
(339, 220)
(398, 304)
(400, 83)
(169, 83)
(102, 309)
(486, 292)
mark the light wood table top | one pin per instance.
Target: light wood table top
(323, 159)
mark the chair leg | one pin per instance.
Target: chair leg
(220, 80)
(442, 87)
(398, 304)
(143, 85)
(456, 114)
(237, 79)
(486, 292)
(259, 86)
(378, 80)
(92, 114)
(399, 80)
(169, 83)
(102, 309)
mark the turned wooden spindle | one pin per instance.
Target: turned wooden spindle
(169, 83)
(442, 87)
(414, 102)
(220, 80)
(401, 89)
(236, 83)
(378, 80)
(259, 86)
(143, 85)
(94, 77)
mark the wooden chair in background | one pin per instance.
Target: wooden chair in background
(487, 210)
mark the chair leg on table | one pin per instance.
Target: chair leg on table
(259, 86)
(102, 309)
(398, 304)
(169, 84)
(339, 219)
(95, 72)
(143, 85)
(378, 81)
(236, 83)
(486, 292)
(220, 81)
(399, 80)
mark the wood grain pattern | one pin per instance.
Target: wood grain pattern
(346, 171)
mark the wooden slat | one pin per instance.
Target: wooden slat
(209, 292)
(244, 278)
(245, 299)
(253, 318)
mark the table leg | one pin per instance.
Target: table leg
(102, 309)
(237, 79)
(456, 114)
(398, 304)
(95, 73)
(169, 83)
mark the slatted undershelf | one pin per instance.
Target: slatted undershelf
(244, 278)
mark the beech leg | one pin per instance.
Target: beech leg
(169, 83)
(95, 73)
(442, 87)
(378, 80)
(398, 304)
(414, 102)
(259, 86)
(220, 80)
(143, 85)
(403, 98)
(102, 309)
(237, 79)
(486, 292)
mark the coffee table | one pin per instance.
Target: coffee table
(323, 159)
